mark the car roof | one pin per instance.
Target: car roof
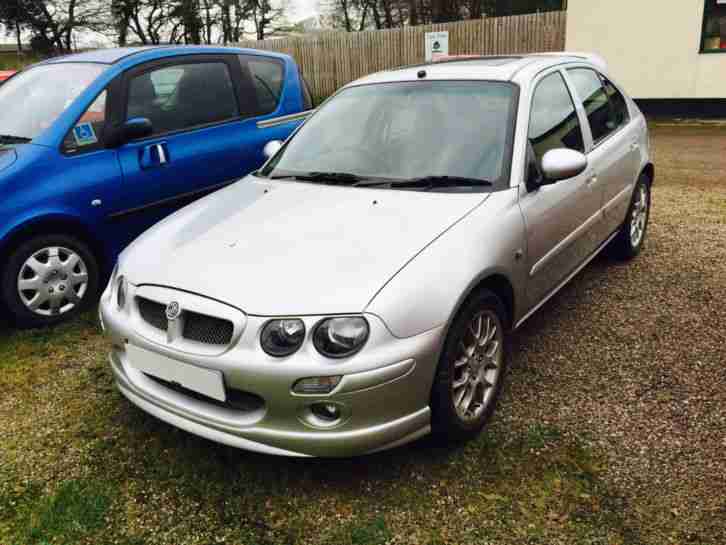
(119, 54)
(494, 68)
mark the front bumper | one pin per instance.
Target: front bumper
(384, 394)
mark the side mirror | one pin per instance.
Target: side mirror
(132, 129)
(560, 164)
(271, 148)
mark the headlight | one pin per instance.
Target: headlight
(340, 337)
(121, 292)
(282, 337)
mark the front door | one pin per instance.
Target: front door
(561, 218)
(202, 114)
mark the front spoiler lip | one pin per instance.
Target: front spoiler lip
(323, 443)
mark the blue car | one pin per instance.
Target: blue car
(97, 147)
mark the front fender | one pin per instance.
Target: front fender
(51, 221)
(428, 292)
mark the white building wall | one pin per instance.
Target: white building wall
(651, 46)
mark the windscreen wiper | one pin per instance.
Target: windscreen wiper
(11, 139)
(430, 182)
(322, 177)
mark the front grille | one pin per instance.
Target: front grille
(197, 327)
(153, 313)
(207, 329)
(236, 399)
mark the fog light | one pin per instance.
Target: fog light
(328, 412)
(316, 385)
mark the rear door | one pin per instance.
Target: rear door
(204, 111)
(615, 154)
(561, 218)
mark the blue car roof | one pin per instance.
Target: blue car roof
(116, 55)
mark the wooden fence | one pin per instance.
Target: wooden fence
(332, 59)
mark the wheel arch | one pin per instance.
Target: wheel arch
(649, 172)
(499, 284)
(54, 224)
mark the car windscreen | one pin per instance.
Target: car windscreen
(31, 101)
(407, 130)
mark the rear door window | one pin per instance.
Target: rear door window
(618, 105)
(605, 107)
(553, 121)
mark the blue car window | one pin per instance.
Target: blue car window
(87, 133)
(267, 76)
(183, 96)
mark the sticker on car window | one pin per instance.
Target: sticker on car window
(84, 134)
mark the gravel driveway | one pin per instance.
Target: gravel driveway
(612, 428)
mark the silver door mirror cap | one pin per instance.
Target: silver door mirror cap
(271, 148)
(560, 164)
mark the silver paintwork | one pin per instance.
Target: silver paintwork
(560, 164)
(52, 281)
(271, 148)
(405, 260)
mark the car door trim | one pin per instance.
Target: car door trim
(281, 120)
(569, 277)
(565, 242)
(190, 195)
(617, 198)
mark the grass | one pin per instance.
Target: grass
(118, 469)
(79, 464)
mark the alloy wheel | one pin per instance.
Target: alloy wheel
(52, 281)
(478, 367)
(639, 216)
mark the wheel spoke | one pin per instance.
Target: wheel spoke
(463, 381)
(70, 264)
(37, 301)
(465, 402)
(76, 279)
(476, 327)
(72, 296)
(38, 267)
(27, 284)
(492, 351)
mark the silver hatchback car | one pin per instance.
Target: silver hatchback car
(358, 291)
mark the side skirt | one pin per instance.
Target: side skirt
(566, 280)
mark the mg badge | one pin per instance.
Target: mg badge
(173, 310)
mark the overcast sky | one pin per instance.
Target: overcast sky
(300, 9)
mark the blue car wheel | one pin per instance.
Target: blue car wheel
(48, 279)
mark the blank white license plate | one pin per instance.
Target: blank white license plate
(207, 382)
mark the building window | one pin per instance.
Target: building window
(714, 27)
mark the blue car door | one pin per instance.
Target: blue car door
(202, 110)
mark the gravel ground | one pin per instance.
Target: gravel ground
(612, 428)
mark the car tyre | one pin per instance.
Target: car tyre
(471, 369)
(61, 277)
(630, 239)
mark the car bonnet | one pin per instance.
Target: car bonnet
(283, 248)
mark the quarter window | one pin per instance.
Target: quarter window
(87, 133)
(267, 79)
(183, 96)
(713, 39)
(307, 96)
(553, 122)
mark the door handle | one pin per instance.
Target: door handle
(635, 145)
(592, 180)
(153, 155)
